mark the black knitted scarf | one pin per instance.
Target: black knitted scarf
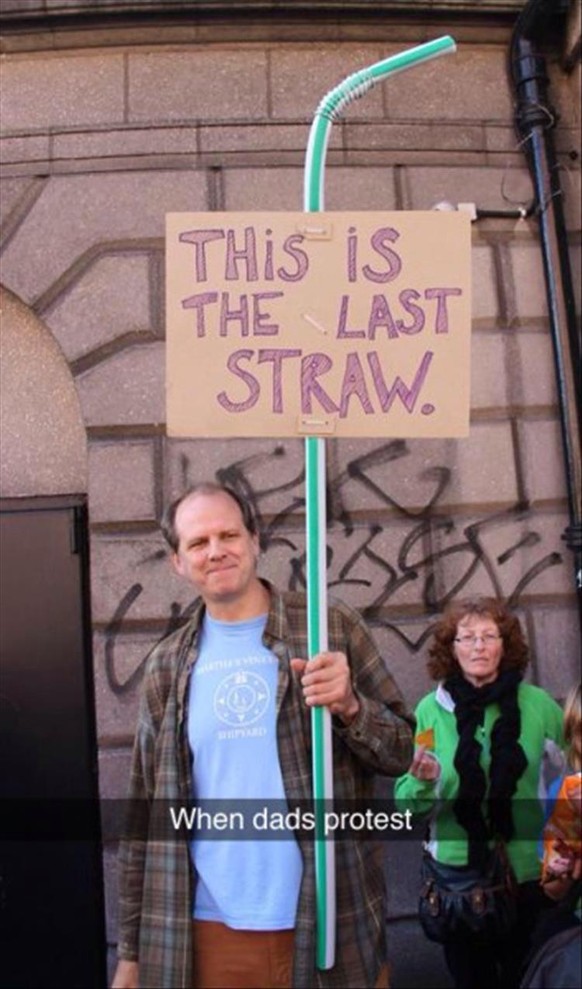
(508, 760)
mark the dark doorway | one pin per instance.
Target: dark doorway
(51, 882)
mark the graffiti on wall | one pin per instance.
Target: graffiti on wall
(432, 540)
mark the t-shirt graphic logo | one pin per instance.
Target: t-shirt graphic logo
(241, 698)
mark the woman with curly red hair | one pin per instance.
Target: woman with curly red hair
(487, 746)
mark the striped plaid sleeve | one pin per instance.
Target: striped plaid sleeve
(381, 734)
(133, 849)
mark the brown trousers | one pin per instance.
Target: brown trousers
(225, 958)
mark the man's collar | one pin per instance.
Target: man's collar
(276, 627)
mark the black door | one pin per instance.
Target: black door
(51, 883)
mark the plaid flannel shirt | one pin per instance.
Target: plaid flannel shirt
(156, 877)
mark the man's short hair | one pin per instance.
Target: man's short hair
(168, 520)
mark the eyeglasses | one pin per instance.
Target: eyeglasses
(469, 640)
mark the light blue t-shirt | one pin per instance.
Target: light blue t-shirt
(247, 884)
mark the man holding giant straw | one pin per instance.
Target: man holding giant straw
(232, 912)
(344, 680)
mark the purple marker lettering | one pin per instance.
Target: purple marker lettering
(269, 276)
(198, 302)
(229, 315)
(352, 254)
(200, 238)
(249, 380)
(378, 242)
(299, 256)
(408, 396)
(248, 254)
(276, 358)
(354, 383)
(260, 327)
(380, 315)
(441, 324)
(415, 311)
(342, 333)
(312, 367)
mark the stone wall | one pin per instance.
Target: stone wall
(105, 131)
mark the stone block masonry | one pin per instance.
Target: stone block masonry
(103, 133)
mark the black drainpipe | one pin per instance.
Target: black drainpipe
(535, 119)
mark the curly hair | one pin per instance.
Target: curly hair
(443, 663)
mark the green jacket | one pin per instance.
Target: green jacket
(541, 739)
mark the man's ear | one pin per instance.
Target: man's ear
(177, 565)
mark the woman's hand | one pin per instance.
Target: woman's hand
(425, 765)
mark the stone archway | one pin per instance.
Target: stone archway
(44, 447)
(48, 741)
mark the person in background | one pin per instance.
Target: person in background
(485, 741)
(556, 951)
(562, 838)
(225, 716)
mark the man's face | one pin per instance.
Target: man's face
(216, 552)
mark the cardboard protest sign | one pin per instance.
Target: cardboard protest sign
(330, 324)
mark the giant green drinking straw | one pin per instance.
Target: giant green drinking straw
(330, 108)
